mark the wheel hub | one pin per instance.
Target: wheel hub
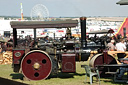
(36, 66)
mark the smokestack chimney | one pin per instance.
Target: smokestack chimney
(83, 32)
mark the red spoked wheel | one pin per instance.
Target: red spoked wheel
(36, 65)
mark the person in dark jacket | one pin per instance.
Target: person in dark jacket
(4, 47)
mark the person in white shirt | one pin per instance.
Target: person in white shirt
(121, 47)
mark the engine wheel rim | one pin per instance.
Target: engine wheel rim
(43, 68)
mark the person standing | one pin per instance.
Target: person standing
(4, 47)
(111, 46)
(121, 47)
(0, 48)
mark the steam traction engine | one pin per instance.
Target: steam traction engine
(37, 59)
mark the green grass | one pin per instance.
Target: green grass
(77, 78)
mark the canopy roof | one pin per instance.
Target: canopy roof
(43, 24)
(123, 2)
(101, 31)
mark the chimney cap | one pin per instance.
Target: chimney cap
(83, 18)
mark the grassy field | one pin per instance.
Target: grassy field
(8, 77)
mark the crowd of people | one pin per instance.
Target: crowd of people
(121, 47)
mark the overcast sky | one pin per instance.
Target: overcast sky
(65, 8)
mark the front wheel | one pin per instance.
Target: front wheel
(36, 65)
